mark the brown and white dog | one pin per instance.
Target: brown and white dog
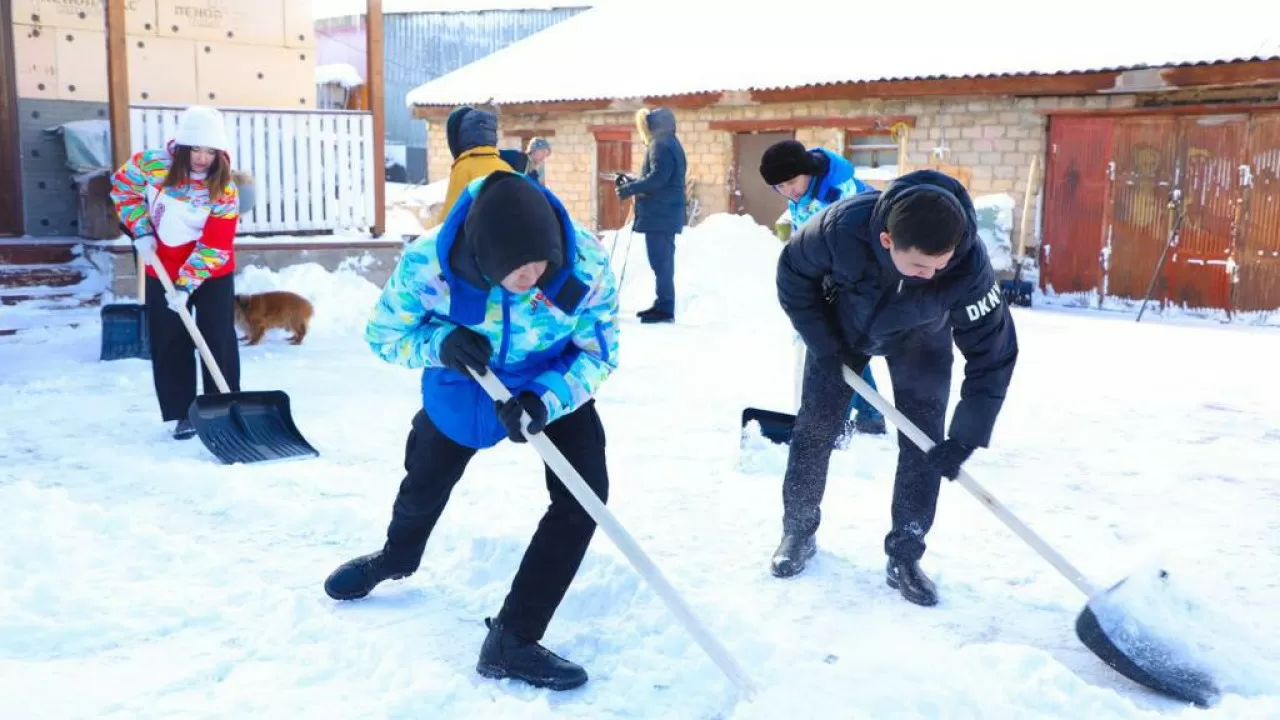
(260, 312)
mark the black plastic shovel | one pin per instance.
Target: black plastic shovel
(1104, 626)
(238, 427)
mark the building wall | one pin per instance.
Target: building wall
(993, 138)
(419, 47)
(256, 53)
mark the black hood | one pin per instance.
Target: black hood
(510, 223)
(930, 181)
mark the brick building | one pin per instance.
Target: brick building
(1114, 123)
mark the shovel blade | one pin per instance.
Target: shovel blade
(124, 332)
(1141, 655)
(774, 426)
(249, 427)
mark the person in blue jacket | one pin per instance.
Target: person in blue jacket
(508, 284)
(660, 205)
(900, 274)
(812, 179)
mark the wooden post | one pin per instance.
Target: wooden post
(378, 107)
(118, 82)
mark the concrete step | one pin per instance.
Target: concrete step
(46, 313)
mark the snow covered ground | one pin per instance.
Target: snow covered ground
(142, 579)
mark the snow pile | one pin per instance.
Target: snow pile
(342, 299)
(995, 228)
(339, 74)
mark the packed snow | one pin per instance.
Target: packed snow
(144, 579)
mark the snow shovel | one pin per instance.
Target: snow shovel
(238, 427)
(124, 325)
(776, 426)
(1118, 641)
(573, 481)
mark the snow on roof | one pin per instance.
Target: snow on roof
(673, 47)
(339, 73)
(328, 9)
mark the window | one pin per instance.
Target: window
(870, 151)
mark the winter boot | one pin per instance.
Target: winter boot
(906, 577)
(864, 425)
(184, 430)
(657, 316)
(358, 577)
(646, 311)
(505, 655)
(792, 553)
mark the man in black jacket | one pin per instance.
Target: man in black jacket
(899, 274)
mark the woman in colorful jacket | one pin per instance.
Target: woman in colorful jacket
(181, 202)
(507, 283)
(812, 179)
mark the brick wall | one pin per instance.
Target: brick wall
(993, 138)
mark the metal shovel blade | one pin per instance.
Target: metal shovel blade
(124, 332)
(1138, 653)
(248, 427)
(774, 426)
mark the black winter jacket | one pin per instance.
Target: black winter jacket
(839, 287)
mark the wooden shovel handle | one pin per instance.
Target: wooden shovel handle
(150, 256)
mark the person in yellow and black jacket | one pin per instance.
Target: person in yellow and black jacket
(473, 141)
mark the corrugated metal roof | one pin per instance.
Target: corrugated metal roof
(329, 9)
(670, 47)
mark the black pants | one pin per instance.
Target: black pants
(173, 352)
(434, 464)
(921, 374)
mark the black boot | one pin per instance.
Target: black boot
(868, 425)
(906, 577)
(792, 552)
(358, 577)
(657, 316)
(183, 430)
(504, 655)
(646, 311)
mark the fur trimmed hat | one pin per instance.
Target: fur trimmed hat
(202, 126)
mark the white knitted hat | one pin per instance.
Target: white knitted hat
(201, 126)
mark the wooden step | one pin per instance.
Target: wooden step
(21, 276)
(30, 253)
(51, 297)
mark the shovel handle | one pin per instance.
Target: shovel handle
(1006, 516)
(573, 481)
(150, 256)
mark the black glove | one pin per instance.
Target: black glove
(947, 456)
(624, 191)
(844, 356)
(509, 414)
(465, 348)
(620, 180)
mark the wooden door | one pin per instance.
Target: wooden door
(1258, 287)
(613, 156)
(1198, 273)
(1075, 201)
(10, 163)
(1145, 175)
(752, 196)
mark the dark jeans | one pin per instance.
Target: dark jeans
(173, 352)
(860, 407)
(434, 464)
(662, 258)
(921, 374)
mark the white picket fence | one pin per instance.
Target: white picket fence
(312, 170)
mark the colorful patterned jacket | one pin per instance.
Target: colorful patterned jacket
(559, 340)
(194, 236)
(836, 183)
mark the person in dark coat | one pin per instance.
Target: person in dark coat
(660, 205)
(901, 274)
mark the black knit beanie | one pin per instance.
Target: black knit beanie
(785, 160)
(512, 223)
